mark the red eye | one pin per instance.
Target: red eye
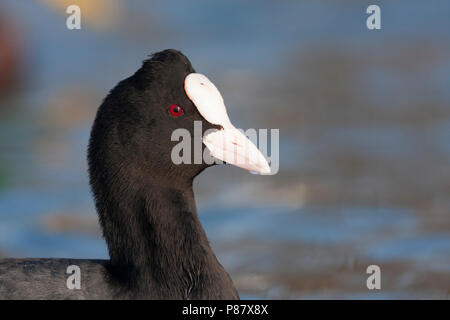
(175, 110)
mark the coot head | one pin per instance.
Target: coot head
(133, 130)
(144, 196)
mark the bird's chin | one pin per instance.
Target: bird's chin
(199, 168)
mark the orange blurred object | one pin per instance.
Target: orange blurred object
(99, 14)
(10, 56)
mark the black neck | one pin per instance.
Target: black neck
(158, 247)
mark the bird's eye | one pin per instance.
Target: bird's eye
(175, 110)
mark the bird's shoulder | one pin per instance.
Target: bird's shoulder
(33, 278)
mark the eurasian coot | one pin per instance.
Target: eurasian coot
(145, 202)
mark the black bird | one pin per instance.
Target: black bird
(145, 201)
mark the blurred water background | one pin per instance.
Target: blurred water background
(364, 119)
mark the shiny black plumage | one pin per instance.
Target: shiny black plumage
(157, 246)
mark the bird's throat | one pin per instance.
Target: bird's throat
(159, 245)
